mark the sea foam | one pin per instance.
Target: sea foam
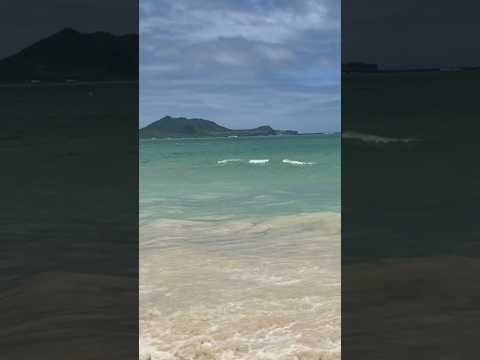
(226, 161)
(258, 161)
(198, 310)
(370, 138)
(294, 162)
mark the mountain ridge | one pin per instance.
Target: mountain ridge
(178, 127)
(70, 55)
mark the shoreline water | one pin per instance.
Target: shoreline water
(240, 259)
(241, 289)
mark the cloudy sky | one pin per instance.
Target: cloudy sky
(242, 63)
(411, 33)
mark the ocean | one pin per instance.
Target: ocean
(69, 242)
(410, 195)
(240, 248)
(408, 142)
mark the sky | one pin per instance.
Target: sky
(242, 63)
(403, 34)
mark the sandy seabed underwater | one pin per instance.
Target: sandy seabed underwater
(230, 265)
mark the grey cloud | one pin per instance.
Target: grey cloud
(242, 63)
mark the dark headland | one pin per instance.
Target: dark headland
(367, 68)
(180, 127)
(69, 55)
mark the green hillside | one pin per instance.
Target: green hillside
(185, 127)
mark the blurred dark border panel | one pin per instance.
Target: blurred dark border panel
(69, 179)
(410, 180)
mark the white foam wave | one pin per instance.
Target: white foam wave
(294, 162)
(227, 302)
(370, 138)
(226, 161)
(258, 161)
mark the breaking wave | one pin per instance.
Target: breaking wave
(226, 161)
(241, 289)
(258, 161)
(265, 161)
(370, 138)
(294, 162)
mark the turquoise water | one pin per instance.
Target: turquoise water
(213, 179)
(240, 257)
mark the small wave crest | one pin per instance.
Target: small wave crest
(226, 161)
(370, 138)
(258, 161)
(265, 161)
(294, 162)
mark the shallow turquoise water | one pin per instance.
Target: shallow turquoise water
(189, 179)
(247, 254)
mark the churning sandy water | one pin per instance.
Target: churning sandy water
(241, 289)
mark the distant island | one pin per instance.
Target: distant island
(69, 56)
(361, 67)
(180, 127)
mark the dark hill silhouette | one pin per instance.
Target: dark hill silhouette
(71, 55)
(184, 127)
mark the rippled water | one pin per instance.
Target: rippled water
(237, 178)
(240, 260)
